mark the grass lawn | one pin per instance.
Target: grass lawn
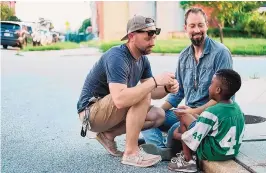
(56, 46)
(246, 46)
(237, 46)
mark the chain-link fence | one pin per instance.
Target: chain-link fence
(78, 37)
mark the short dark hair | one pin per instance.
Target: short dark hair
(195, 10)
(231, 82)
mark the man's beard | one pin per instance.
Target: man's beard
(144, 51)
(198, 41)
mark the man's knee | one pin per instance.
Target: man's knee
(146, 100)
(160, 115)
(157, 115)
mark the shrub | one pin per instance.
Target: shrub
(233, 32)
(256, 24)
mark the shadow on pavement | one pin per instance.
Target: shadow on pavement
(252, 119)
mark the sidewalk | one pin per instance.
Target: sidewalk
(252, 99)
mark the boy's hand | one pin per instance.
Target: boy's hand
(179, 112)
(186, 110)
(183, 110)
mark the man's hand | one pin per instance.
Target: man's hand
(174, 87)
(165, 79)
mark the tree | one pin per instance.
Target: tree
(224, 11)
(6, 12)
(51, 26)
(85, 24)
(14, 18)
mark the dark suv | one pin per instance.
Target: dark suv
(12, 34)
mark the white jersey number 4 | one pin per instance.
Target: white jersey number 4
(229, 140)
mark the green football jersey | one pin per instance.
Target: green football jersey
(218, 133)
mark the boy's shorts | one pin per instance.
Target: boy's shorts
(189, 127)
(192, 125)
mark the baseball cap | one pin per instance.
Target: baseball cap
(137, 23)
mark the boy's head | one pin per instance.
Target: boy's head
(225, 83)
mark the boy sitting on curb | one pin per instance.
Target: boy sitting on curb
(216, 134)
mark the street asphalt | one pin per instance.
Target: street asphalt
(40, 129)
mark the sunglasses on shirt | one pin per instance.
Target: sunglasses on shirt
(151, 32)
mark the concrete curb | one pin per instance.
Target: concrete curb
(229, 166)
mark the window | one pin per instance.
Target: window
(9, 26)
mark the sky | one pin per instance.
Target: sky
(58, 12)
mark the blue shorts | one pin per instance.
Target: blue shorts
(192, 125)
(189, 127)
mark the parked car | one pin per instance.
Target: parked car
(13, 34)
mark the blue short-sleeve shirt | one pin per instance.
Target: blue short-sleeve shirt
(117, 65)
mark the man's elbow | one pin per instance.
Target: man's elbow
(119, 103)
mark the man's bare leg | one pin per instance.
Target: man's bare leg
(116, 131)
(134, 123)
(154, 118)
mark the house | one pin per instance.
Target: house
(109, 18)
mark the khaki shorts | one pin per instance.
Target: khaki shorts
(104, 115)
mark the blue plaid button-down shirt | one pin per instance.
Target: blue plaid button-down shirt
(194, 79)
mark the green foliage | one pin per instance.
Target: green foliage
(237, 46)
(241, 15)
(255, 24)
(106, 45)
(225, 11)
(6, 12)
(231, 13)
(250, 6)
(56, 46)
(85, 24)
(252, 22)
(51, 26)
(233, 32)
(29, 40)
(13, 18)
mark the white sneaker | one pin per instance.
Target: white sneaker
(143, 159)
(181, 165)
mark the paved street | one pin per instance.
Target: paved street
(40, 127)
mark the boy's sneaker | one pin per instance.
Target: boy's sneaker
(165, 153)
(141, 160)
(179, 164)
